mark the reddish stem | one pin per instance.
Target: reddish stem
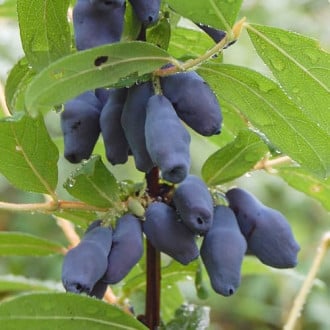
(152, 309)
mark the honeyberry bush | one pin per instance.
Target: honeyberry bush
(276, 122)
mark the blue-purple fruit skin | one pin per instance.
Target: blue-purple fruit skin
(216, 34)
(147, 11)
(194, 102)
(126, 250)
(194, 204)
(85, 264)
(167, 140)
(99, 289)
(266, 230)
(97, 24)
(115, 142)
(133, 120)
(223, 250)
(80, 126)
(168, 235)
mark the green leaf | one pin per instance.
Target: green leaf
(93, 183)
(18, 79)
(11, 283)
(216, 13)
(21, 244)
(120, 64)
(307, 183)
(301, 67)
(171, 299)
(28, 157)
(190, 316)
(8, 9)
(160, 34)
(269, 110)
(186, 43)
(81, 218)
(63, 311)
(235, 159)
(45, 31)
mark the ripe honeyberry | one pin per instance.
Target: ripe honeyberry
(168, 235)
(266, 230)
(133, 120)
(223, 250)
(147, 11)
(126, 250)
(80, 126)
(85, 264)
(194, 204)
(96, 23)
(167, 140)
(194, 102)
(115, 142)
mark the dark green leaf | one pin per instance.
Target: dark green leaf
(11, 283)
(235, 159)
(63, 311)
(19, 78)
(217, 13)
(301, 67)
(28, 157)
(268, 108)
(93, 183)
(45, 32)
(21, 244)
(123, 64)
(307, 183)
(160, 34)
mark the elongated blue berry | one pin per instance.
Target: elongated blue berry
(167, 140)
(126, 250)
(168, 235)
(194, 204)
(223, 250)
(266, 230)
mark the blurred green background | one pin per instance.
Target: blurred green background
(265, 296)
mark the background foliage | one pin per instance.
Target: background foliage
(273, 86)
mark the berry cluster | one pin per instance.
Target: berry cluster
(245, 226)
(149, 125)
(103, 256)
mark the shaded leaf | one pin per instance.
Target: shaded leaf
(216, 13)
(234, 159)
(307, 183)
(269, 110)
(63, 311)
(81, 218)
(22, 244)
(171, 299)
(28, 157)
(160, 34)
(18, 79)
(44, 28)
(301, 67)
(190, 316)
(122, 65)
(11, 283)
(93, 183)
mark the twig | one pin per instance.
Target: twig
(3, 103)
(301, 298)
(268, 164)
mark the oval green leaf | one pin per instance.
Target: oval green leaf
(22, 244)
(120, 64)
(63, 311)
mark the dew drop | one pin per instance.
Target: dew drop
(278, 64)
(18, 148)
(71, 182)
